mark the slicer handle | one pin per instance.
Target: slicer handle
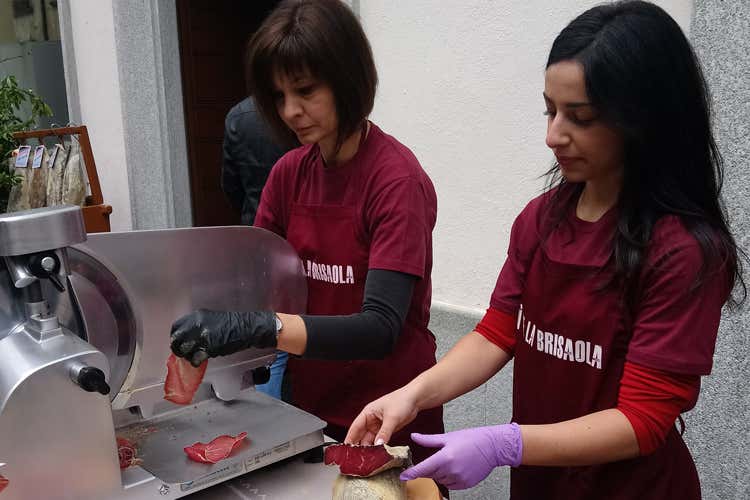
(90, 379)
(46, 265)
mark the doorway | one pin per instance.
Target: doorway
(213, 38)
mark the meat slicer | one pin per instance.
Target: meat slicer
(84, 339)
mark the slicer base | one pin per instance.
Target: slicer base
(275, 430)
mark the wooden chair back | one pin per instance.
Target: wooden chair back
(95, 211)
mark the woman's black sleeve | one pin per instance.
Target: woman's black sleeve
(369, 334)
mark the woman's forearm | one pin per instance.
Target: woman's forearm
(604, 436)
(293, 335)
(470, 363)
(371, 333)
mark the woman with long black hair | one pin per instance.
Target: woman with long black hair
(611, 294)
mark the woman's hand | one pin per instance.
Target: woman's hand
(377, 422)
(467, 456)
(471, 362)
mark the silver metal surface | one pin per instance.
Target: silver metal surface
(132, 286)
(48, 264)
(40, 229)
(11, 305)
(109, 324)
(50, 429)
(275, 431)
(21, 276)
(288, 480)
(122, 291)
(42, 327)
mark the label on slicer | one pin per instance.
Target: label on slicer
(216, 476)
(270, 456)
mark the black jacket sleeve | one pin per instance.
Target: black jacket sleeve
(371, 333)
(248, 154)
(231, 182)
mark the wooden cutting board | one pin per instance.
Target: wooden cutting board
(422, 488)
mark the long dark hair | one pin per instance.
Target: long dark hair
(644, 78)
(324, 38)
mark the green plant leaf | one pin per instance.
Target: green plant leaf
(12, 97)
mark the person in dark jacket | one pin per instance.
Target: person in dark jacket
(249, 152)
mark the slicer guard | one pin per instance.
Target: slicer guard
(83, 350)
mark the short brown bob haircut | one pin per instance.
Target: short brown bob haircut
(321, 39)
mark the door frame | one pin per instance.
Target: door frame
(153, 120)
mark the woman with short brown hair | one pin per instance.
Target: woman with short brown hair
(325, 41)
(359, 210)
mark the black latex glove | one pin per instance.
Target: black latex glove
(203, 333)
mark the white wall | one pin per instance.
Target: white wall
(461, 84)
(97, 78)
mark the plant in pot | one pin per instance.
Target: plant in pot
(12, 98)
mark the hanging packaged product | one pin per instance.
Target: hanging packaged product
(74, 182)
(18, 199)
(38, 184)
(58, 157)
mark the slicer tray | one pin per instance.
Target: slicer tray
(275, 431)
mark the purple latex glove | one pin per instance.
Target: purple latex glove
(467, 456)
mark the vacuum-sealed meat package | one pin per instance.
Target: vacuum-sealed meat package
(74, 180)
(58, 157)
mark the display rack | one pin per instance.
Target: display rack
(95, 211)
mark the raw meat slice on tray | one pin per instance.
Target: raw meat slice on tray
(183, 380)
(218, 449)
(3, 483)
(126, 452)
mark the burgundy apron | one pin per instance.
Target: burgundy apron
(570, 354)
(336, 259)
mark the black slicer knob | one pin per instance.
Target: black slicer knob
(46, 265)
(92, 380)
(43, 264)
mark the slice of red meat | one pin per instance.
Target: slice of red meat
(126, 452)
(183, 380)
(218, 449)
(3, 482)
(366, 461)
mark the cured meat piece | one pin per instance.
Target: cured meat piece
(366, 461)
(218, 449)
(383, 486)
(38, 186)
(55, 173)
(74, 182)
(3, 482)
(183, 380)
(126, 452)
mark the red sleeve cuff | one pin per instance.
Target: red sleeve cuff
(652, 400)
(499, 328)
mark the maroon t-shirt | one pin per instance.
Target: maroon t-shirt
(392, 199)
(573, 339)
(376, 211)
